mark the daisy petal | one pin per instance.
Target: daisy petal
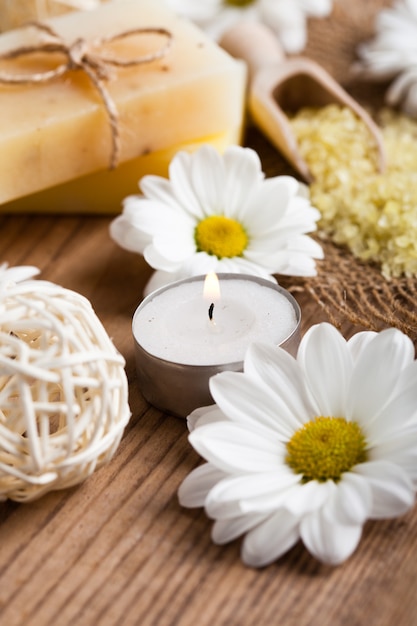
(251, 485)
(358, 343)
(234, 449)
(303, 499)
(275, 253)
(292, 263)
(205, 415)
(234, 393)
(351, 501)
(159, 190)
(392, 53)
(400, 409)
(274, 197)
(182, 187)
(159, 261)
(208, 177)
(243, 173)
(372, 382)
(155, 219)
(400, 450)
(289, 22)
(241, 265)
(253, 493)
(392, 488)
(328, 541)
(225, 530)
(199, 264)
(176, 247)
(128, 237)
(327, 364)
(280, 372)
(270, 539)
(194, 489)
(318, 8)
(160, 279)
(306, 245)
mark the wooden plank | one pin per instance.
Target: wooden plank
(119, 550)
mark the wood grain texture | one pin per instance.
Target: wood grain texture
(119, 550)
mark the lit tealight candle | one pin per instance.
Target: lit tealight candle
(192, 329)
(211, 292)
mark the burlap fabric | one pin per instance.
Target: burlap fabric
(345, 288)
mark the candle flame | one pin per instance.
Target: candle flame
(211, 289)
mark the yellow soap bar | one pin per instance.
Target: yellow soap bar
(56, 136)
(103, 191)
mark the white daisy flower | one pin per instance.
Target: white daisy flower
(218, 213)
(12, 275)
(308, 448)
(287, 19)
(392, 54)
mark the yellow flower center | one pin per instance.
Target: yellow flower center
(221, 236)
(325, 448)
(238, 3)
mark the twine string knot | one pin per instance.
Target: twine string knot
(81, 55)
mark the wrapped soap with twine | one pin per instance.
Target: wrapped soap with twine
(131, 67)
(82, 55)
(15, 13)
(63, 388)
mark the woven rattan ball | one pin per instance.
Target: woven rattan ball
(63, 390)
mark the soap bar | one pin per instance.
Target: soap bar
(55, 137)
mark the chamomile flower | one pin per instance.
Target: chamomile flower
(218, 213)
(308, 448)
(392, 54)
(287, 19)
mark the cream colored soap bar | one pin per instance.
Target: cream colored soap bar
(56, 136)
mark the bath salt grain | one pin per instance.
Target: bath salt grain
(374, 214)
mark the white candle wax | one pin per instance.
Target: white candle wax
(174, 324)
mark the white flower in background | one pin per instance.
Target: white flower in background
(12, 275)
(392, 53)
(219, 214)
(288, 18)
(308, 448)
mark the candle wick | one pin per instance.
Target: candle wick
(210, 311)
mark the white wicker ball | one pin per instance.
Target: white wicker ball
(63, 389)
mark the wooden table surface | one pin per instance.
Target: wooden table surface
(118, 549)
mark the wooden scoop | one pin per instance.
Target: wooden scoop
(277, 84)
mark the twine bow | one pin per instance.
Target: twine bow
(80, 56)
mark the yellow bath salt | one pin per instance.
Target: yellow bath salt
(373, 214)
